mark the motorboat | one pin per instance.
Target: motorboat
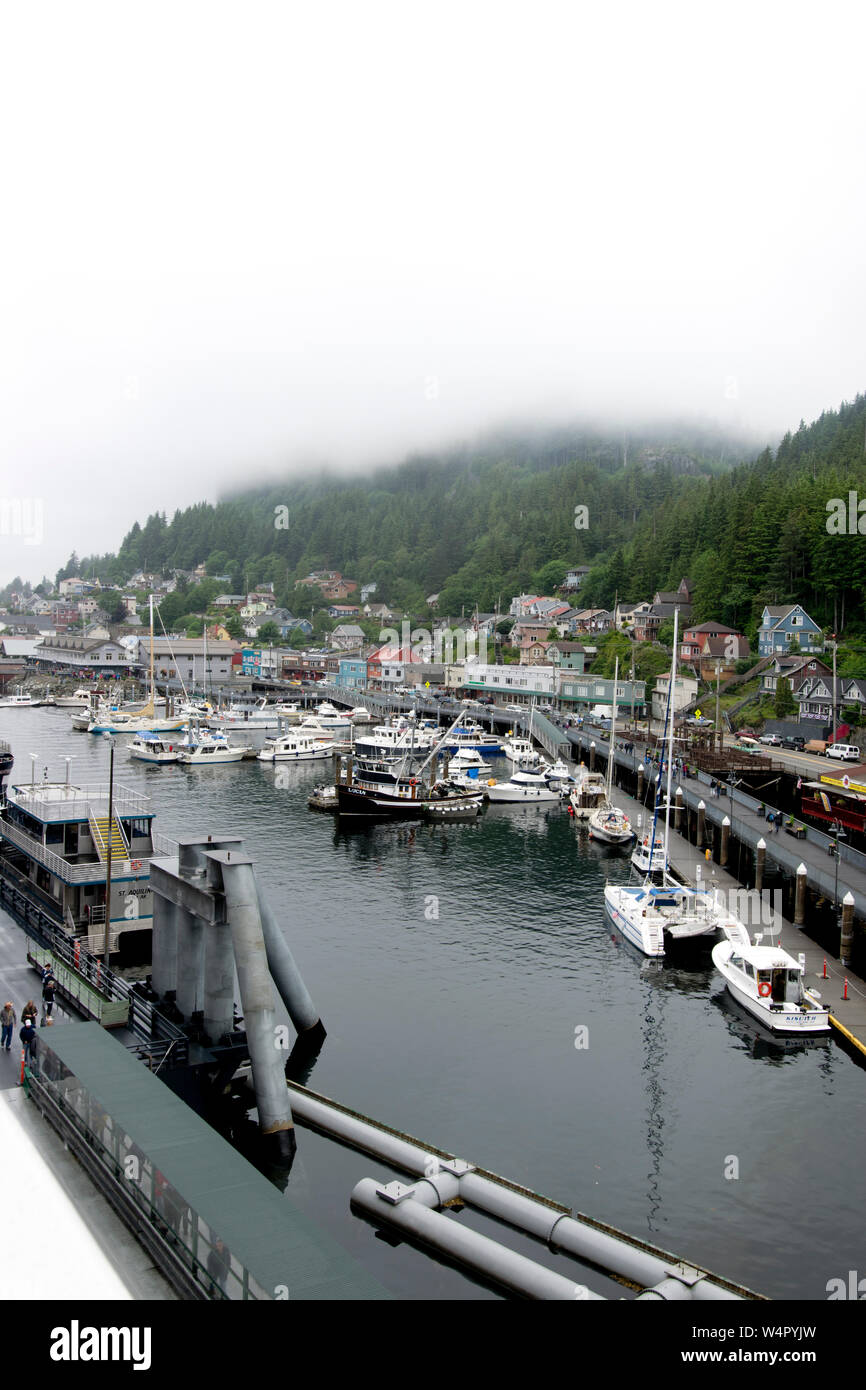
(17, 701)
(393, 785)
(360, 715)
(335, 737)
(151, 747)
(291, 713)
(769, 983)
(649, 856)
(558, 774)
(398, 737)
(203, 748)
(299, 745)
(79, 700)
(523, 786)
(520, 751)
(470, 734)
(468, 769)
(588, 794)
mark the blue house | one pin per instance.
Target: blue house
(353, 673)
(781, 625)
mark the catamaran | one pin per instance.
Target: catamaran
(653, 913)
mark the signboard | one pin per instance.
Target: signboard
(853, 781)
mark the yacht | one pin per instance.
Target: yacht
(17, 701)
(79, 700)
(589, 793)
(202, 748)
(150, 747)
(523, 785)
(398, 737)
(468, 769)
(298, 746)
(470, 734)
(290, 713)
(768, 982)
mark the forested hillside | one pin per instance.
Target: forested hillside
(480, 524)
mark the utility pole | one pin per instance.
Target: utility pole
(718, 724)
(107, 946)
(835, 644)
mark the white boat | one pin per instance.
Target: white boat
(291, 713)
(471, 735)
(768, 982)
(202, 748)
(150, 747)
(468, 769)
(608, 823)
(297, 746)
(590, 792)
(359, 715)
(520, 751)
(259, 714)
(118, 721)
(558, 774)
(649, 858)
(388, 739)
(18, 701)
(658, 913)
(79, 700)
(523, 786)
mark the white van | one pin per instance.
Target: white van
(845, 752)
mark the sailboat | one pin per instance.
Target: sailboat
(653, 913)
(115, 721)
(608, 823)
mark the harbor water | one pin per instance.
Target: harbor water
(475, 997)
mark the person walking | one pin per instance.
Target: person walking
(29, 1012)
(27, 1034)
(49, 986)
(8, 1019)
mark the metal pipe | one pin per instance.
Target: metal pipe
(285, 973)
(257, 996)
(556, 1228)
(219, 980)
(408, 1211)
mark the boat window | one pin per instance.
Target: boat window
(737, 961)
(749, 969)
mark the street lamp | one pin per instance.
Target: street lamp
(839, 834)
(105, 952)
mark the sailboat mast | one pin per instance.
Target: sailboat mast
(612, 729)
(672, 709)
(152, 692)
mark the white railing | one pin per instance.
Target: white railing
(72, 873)
(54, 801)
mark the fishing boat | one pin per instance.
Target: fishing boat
(291, 713)
(394, 787)
(649, 856)
(149, 747)
(297, 746)
(523, 785)
(769, 983)
(608, 823)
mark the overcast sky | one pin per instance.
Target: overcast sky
(238, 239)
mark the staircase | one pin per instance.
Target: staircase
(99, 829)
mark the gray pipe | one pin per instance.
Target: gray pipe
(285, 973)
(219, 980)
(410, 1214)
(561, 1232)
(164, 948)
(190, 961)
(257, 996)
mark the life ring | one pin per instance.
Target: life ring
(413, 781)
(765, 990)
(135, 864)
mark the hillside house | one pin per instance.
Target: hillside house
(786, 623)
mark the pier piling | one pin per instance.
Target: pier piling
(846, 943)
(800, 901)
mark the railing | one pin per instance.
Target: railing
(150, 1026)
(61, 868)
(98, 837)
(50, 802)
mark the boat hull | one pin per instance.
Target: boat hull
(790, 1019)
(648, 939)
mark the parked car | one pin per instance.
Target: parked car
(815, 745)
(794, 742)
(772, 739)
